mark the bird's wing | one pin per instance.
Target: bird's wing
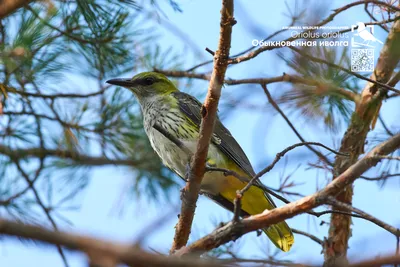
(223, 202)
(222, 138)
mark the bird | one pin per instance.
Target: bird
(365, 34)
(169, 112)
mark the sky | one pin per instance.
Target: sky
(200, 22)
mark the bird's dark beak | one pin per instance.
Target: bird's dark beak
(121, 82)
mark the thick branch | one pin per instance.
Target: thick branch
(7, 7)
(234, 230)
(209, 111)
(64, 154)
(353, 141)
(96, 248)
(378, 262)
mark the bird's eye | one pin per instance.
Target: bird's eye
(148, 81)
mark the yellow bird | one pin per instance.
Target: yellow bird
(169, 112)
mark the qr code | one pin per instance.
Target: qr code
(362, 60)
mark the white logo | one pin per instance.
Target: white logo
(365, 36)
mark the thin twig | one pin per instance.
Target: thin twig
(10, 89)
(332, 201)
(378, 262)
(330, 18)
(379, 178)
(82, 159)
(240, 53)
(210, 51)
(280, 155)
(43, 207)
(232, 231)
(387, 157)
(312, 237)
(330, 64)
(277, 108)
(294, 79)
(383, 27)
(251, 48)
(86, 40)
(388, 131)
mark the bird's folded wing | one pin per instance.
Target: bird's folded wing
(223, 202)
(222, 138)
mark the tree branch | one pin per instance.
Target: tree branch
(378, 262)
(275, 105)
(380, 23)
(45, 209)
(10, 89)
(330, 18)
(209, 111)
(330, 64)
(312, 237)
(332, 201)
(295, 79)
(64, 154)
(364, 116)
(233, 230)
(384, 176)
(7, 7)
(96, 248)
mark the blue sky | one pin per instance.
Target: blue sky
(261, 134)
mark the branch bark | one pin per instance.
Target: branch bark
(102, 251)
(64, 154)
(391, 229)
(7, 7)
(364, 116)
(294, 79)
(378, 262)
(97, 250)
(330, 18)
(233, 230)
(209, 111)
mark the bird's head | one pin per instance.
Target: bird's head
(146, 85)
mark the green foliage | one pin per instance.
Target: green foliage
(321, 103)
(60, 119)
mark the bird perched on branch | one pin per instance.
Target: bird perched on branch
(172, 121)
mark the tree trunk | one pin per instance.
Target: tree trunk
(365, 114)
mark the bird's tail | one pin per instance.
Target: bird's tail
(281, 235)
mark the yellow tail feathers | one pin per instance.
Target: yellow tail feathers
(281, 235)
(255, 201)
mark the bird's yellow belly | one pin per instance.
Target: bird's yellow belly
(213, 182)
